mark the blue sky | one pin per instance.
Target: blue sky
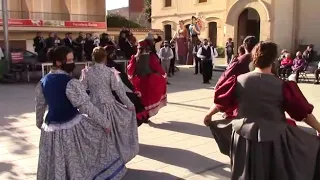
(114, 4)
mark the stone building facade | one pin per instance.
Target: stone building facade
(289, 23)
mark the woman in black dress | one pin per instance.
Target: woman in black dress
(130, 90)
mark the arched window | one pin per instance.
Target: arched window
(203, 1)
(167, 3)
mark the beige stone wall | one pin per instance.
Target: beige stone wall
(58, 9)
(283, 25)
(212, 11)
(309, 23)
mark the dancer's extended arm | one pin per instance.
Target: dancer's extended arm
(79, 98)
(40, 105)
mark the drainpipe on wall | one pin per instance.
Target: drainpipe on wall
(6, 32)
(296, 25)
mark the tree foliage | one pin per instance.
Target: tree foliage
(118, 21)
(147, 10)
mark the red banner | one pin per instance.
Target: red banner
(17, 57)
(98, 25)
(51, 23)
(23, 22)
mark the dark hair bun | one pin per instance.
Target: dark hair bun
(264, 54)
(249, 42)
(58, 54)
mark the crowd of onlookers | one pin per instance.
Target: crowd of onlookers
(288, 66)
(84, 44)
(291, 67)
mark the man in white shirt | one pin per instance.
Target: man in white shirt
(197, 61)
(215, 52)
(1, 54)
(207, 55)
(166, 54)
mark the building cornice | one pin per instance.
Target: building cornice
(187, 14)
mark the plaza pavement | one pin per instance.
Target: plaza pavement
(175, 146)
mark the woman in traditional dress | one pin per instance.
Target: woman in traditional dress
(101, 80)
(263, 144)
(182, 42)
(72, 146)
(148, 78)
(133, 95)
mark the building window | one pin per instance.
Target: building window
(203, 1)
(167, 3)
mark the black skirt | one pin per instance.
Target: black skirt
(138, 105)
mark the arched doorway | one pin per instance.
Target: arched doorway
(213, 32)
(248, 25)
(167, 32)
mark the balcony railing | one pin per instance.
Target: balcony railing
(54, 16)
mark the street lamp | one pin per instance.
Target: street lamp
(6, 32)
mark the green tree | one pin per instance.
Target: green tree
(147, 10)
(118, 21)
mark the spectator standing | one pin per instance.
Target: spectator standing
(215, 55)
(197, 61)
(38, 43)
(96, 40)
(125, 45)
(57, 40)
(49, 42)
(79, 43)
(308, 54)
(88, 46)
(206, 54)
(173, 60)
(166, 54)
(105, 40)
(39, 47)
(316, 74)
(229, 50)
(68, 41)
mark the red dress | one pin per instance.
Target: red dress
(294, 104)
(152, 87)
(260, 148)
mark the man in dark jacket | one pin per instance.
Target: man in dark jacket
(68, 41)
(38, 43)
(105, 40)
(308, 54)
(78, 48)
(88, 47)
(173, 60)
(49, 42)
(39, 47)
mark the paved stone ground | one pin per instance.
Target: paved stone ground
(175, 146)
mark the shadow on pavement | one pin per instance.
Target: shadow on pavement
(16, 113)
(178, 157)
(134, 174)
(189, 105)
(190, 81)
(184, 127)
